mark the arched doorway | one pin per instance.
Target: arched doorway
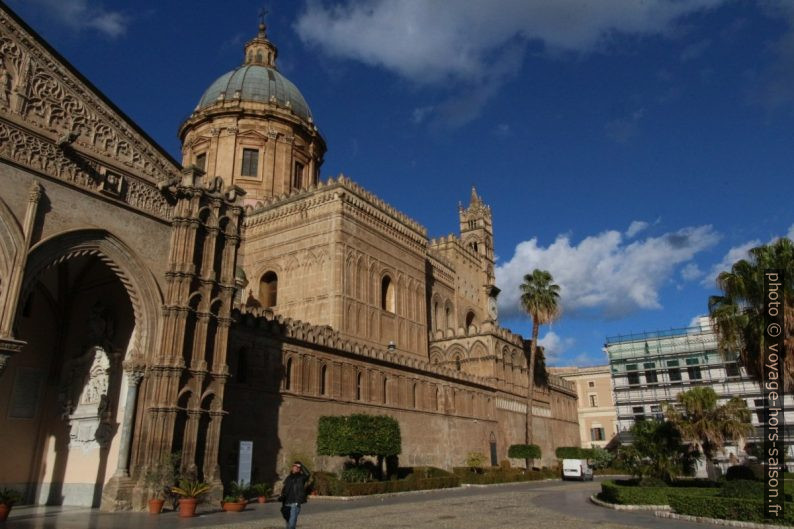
(82, 315)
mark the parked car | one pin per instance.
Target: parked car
(576, 469)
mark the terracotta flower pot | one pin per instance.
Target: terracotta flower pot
(4, 510)
(156, 506)
(233, 506)
(261, 499)
(187, 507)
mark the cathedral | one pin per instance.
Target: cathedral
(151, 307)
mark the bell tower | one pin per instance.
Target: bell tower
(476, 233)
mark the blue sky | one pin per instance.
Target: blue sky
(633, 149)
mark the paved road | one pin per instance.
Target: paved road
(548, 504)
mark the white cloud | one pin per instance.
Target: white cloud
(554, 346)
(602, 273)
(84, 14)
(691, 271)
(733, 255)
(635, 227)
(478, 44)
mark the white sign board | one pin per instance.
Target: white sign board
(244, 463)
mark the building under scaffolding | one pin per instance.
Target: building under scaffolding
(649, 369)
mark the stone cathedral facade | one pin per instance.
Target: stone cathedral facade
(150, 307)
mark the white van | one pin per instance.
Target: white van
(576, 469)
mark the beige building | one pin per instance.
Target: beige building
(597, 413)
(150, 307)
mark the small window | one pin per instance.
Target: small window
(593, 401)
(457, 363)
(656, 411)
(590, 384)
(694, 373)
(250, 162)
(201, 161)
(639, 413)
(358, 386)
(288, 375)
(387, 294)
(675, 374)
(596, 434)
(268, 289)
(634, 378)
(385, 388)
(732, 369)
(469, 319)
(760, 410)
(297, 176)
(324, 380)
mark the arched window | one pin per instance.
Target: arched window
(469, 319)
(324, 380)
(268, 289)
(358, 386)
(385, 386)
(259, 57)
(288, 375)
(414, 399)
(387, 294)
(448, 317)
(457, 363)
(436, 316)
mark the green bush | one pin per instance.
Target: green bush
(743, 488)
(356, 474)
(475, 460)
(499, 475)
(573, 452)
(358, 435)
(740, 472)
(524, 452)
(628, 492)
(746, 510)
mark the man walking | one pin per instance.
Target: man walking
(294, 493)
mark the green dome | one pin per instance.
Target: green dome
(257, 83)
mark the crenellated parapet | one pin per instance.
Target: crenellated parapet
(326, 337)
(360, 202)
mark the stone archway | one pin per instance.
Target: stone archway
(88, 313)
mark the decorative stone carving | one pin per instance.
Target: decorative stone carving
(33, 152)
(88, 420)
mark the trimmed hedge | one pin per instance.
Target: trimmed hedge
(524, 452)
(358, 435)
(740, 472)
(745, 510)
(636, 495)
(327, 484)
(493, 475)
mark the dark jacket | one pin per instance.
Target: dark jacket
(294, 490)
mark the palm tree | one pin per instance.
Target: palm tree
(704, 423)
(738, 314)
(539, 299)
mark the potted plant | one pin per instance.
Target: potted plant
(189, 492)
(235, 500)
(8, 497)
(261, 491)
(158, 479)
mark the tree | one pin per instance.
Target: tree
(703, 422)
(525, 452)
(738, 313)
(359, 435)
(539, 299)
(656, 452)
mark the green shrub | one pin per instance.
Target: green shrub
(475, 460)
(356, 474)
(743, 488)
(499, 475)
(629, 492)
(746, 510)
(524, 452)
(573, 452)
(740, 472)
(358, 435)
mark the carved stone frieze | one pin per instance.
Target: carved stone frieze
(34, 86)
(40, 155)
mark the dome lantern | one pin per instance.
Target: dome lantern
(259, 50)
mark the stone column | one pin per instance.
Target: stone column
(134, 377)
